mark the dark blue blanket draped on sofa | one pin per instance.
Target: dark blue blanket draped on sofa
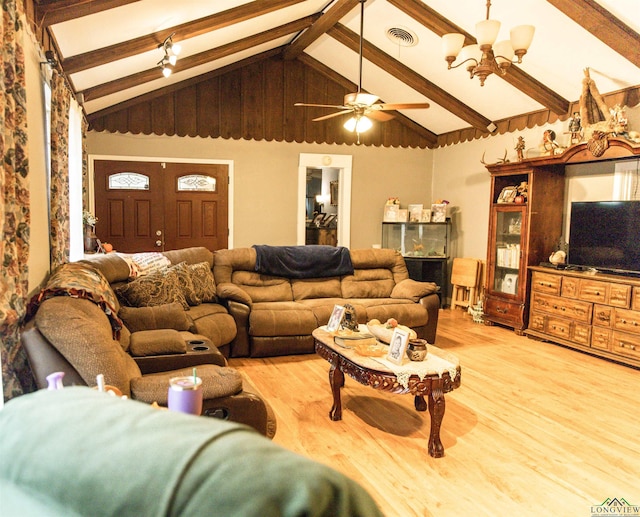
(312, 261)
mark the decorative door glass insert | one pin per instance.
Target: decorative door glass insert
(128, 181)
(508, 252)
(197, 182)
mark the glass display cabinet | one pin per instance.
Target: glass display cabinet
(521, 234)
(425, 248)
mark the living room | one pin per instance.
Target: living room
(265, 211)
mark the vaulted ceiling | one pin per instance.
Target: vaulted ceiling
(109, 50)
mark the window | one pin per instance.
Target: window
(128, 181)
(196, 182)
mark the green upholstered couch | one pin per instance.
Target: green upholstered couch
(276, 315)
(78, 452)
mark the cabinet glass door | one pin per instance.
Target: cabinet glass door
(508, 251)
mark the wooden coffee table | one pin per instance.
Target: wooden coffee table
(368, 371)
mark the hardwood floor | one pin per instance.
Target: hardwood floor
(534, 429)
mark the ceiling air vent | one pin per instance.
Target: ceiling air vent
(402, 36)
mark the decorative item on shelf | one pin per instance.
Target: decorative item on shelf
(486, 56)
(550, 146)
(504, 159)
(521, 196)
(350, 318)
(417, 349)
(520, 147)
(508, 194)
(426, 215)
(575, 128)
(439, 211)
(391, 209)
(403, 215)
(89, 224)
(415, 212)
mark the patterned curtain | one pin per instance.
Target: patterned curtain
(59, 194)
(14, 201)
(85, 166)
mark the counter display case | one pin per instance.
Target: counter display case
(425, 248)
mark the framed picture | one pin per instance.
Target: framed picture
(333, 190)
(403, 215)
(391, 213)
(398, 345)
(508, 195)
(415, 213)
(336, 318)
(426, 216)
(326, 222)
(439, 213)
(317, 220)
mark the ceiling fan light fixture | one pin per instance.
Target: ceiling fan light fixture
(166, 71)
(358, 124)
(360, 98)
(487, 57)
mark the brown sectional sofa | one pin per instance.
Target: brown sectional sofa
(276, 315)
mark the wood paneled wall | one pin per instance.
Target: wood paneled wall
(255, 102)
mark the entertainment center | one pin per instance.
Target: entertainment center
(593, 304)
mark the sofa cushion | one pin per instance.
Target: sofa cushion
(217, 381)
(204, 284)
(281, 319)
(156, 288)
(263, 288)
(413, 290)
(166, 316)
(316, 288)
(157, 342)
(213, 321)
(368, 283)
(86, 341)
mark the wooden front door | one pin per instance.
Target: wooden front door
(147, 206)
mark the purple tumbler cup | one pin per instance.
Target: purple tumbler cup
(185, 395)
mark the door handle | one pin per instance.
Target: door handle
(158, 243)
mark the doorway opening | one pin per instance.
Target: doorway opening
(324, 199)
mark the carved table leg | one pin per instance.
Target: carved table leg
(436, 410)
(419, 403)
(336, 379)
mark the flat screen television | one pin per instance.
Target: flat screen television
(605, 235)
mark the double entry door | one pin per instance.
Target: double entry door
(153, 206)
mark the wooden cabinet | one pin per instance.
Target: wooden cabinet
(520, 235)
(599, 314)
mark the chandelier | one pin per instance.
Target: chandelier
(487, 57)
(170, 58)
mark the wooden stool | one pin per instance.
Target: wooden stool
(464, 280)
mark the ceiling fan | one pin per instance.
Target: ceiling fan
(361, 105)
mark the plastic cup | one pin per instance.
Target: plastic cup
(185, 395)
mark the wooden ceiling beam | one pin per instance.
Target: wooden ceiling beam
(330, 74)
(516, 77)
(340, 9)
(182, 32)
(405, 74)
(603, 25)
(50, 13)
(154, 73)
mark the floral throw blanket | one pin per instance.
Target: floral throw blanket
(80, 281)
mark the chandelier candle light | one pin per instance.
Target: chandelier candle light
(487, 56)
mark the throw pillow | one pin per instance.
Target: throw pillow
(150, 262)
(166, 316)
(203, 282)
(186, 283)
(154, 289)
(413, 290)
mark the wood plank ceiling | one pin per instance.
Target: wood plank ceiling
(262, 56)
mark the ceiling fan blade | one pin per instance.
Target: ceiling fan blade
(401, 106)
(336, 114)
(380, 116)
(321, 105)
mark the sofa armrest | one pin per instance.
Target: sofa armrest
(229, 291)
(155, 342)
(240, 313)
(432, 304)
(413, 290)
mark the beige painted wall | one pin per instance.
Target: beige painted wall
(266, 177)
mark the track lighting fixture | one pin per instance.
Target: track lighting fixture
(171, 51)
(50, 59)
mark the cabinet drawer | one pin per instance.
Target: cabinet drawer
(570, 287)
(558, 327)
(536, 321)
(502, 311)
(593, 291)
(625, 344)
(635, 299)
(603, 315)
(601, 338)
(546, 283)
(574, 309)
(626, 320)
(620, 295)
